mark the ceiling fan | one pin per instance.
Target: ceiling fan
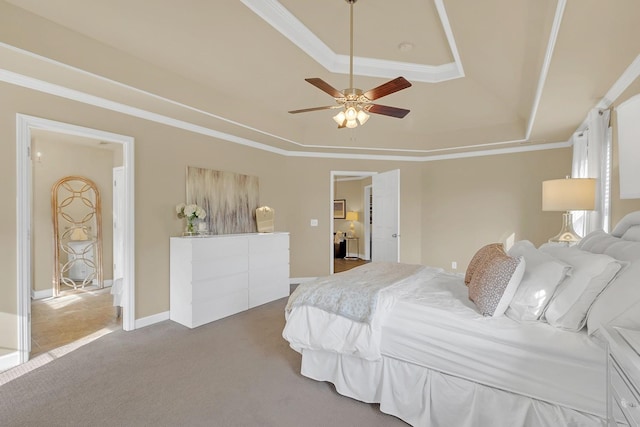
(353, 102)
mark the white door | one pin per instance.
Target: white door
(118, 233)
(367, 221)
(385, 231)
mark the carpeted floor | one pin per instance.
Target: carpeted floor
(238, 371)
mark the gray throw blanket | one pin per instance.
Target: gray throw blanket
(354, 293)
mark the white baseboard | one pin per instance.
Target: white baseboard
(48, 293)
(150, 320)
(10, 360)
(45, 293)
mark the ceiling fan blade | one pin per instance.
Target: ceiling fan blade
(388, 88)
(325, 87)
(306, 110)
(386, 110)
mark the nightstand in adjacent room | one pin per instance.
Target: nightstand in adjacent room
(623, 375)
(350, 242)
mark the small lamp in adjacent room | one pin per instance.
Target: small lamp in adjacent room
(351, 216)
(566, 195)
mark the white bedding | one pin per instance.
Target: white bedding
(429, 322)
(310, 327)
(433, 324)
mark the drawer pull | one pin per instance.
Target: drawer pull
(627, 404)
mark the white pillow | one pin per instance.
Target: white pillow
(596, 242)
(632, 233)
(590, 274)
(616, 303)
(542, 275)
(627, 221)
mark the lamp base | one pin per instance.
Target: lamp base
(567, 233)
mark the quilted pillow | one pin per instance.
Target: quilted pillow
(629, 220)
(632, 233)
(480, 257)
(591, 273)
(495, 282)
(542, 275)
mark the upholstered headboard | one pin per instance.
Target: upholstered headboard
(619, 303)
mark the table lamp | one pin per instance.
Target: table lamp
(566, 195)
(351, 216)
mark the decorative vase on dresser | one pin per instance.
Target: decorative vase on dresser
(216, 276)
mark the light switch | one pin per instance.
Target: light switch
(314, 222)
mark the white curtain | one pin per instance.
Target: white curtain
(592, 159)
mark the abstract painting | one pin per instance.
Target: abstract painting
(230, 199)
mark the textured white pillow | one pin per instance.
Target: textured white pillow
(632, 233)
(616, 303)
(627, 221)
(590, 274)
(596, 242)
(542, 275)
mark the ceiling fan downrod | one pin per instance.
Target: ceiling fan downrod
(351, 3)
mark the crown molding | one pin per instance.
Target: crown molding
(276, 15)
(553, 38)
(75, 95)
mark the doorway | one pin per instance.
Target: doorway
(27, 126)
(359, 200)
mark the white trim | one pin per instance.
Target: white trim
(52, 89)
(17, 79)
(48, 293)
(24, 125)
(57, 90)
(23, 236)
(152, 320)
(10, 360)
(553, 38)
(289, 26)
(624, 81)
(42, 294)
(332, 179)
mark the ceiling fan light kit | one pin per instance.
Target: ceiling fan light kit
(354, 104)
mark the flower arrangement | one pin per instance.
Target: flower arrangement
(190, 212)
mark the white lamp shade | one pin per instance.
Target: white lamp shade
(570, 194)
(340, 118)
(351, 216)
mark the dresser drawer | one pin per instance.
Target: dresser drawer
(217, 308)
(205, 290)
(624, 393)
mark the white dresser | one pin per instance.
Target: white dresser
(623, 376)
(215, 276)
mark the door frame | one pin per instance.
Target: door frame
(332, 179)
(367, 221)
(24, 208)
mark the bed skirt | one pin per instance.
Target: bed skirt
(427, 398)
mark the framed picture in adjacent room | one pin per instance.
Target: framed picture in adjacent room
(339, 209)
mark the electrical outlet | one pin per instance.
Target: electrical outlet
(454, 265)
(314, 222)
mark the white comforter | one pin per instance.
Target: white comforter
(428, 320)
(320, 316)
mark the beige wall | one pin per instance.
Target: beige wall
(467, 203)
(62, 158)
(448, 208)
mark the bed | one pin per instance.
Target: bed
(437, 349)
